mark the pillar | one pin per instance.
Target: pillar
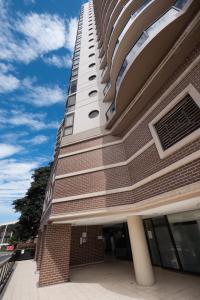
(141, 259)
(38, 244)
(55, 258)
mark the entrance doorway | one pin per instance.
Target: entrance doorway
(174, 241)
(117, 243)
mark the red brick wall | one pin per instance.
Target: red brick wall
(144, 165)
(92, 182)
(91, 159)
(55, 255)
(91, 251)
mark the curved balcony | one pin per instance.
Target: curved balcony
(121, 24)
(145, 15)
(108, 14)
(109, 27)
(149, 50)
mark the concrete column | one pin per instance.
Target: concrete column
(141, 259)
(38, 244)
(55, 258)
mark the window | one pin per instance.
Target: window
(71, 100)
(91, 28)
(74, 74)
(93, 114)
(92, 93)
(77, 54)
(91, 34)
(68, 131)
(92, 54)
(91, 47)
(92, 77)
(73, 87)
(69, 122)
(91, 40)
(75, 60)
(92, 65)
(177, 124)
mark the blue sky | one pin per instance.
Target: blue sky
(36, 41)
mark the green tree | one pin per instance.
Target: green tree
(31, 205)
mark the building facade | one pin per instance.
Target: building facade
(6, 232)
(126, 175)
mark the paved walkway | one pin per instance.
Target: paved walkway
(108, 281)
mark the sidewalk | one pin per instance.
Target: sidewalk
(106, 281)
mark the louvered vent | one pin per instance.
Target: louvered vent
(179, 122)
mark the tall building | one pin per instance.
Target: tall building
(126, 174)
(6, 232)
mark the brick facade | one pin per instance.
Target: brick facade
(141, 167)
(86, 250)
(64, 246)
(55, 255)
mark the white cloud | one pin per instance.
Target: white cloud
(58, 61)
(8, 83)
(41, 95)
(39, 34)
(39, 139)
(4, 68)
(46, 32)
(7, 150)
(71, 33)
(15, 178)
(27, 2)
(19, 118)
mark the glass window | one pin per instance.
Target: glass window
(93, 114)
(70, 108)
(69, 120)
(71, 100)
(75, 71)
(68, 131)
(165, 243)
(92, 77)
(92, 93)
(92, 65)
(186, 233)
(73, 87)
(151, 239)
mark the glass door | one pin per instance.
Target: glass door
(152, 243)
(168, 252)
(186, 232)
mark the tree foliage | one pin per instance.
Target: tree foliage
(31, 205)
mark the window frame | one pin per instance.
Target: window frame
(192, 91)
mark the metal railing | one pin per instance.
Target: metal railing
(106, 88)
(110, 112)
(6, 268)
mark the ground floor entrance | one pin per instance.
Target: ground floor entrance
(117, 242)
(174, 241)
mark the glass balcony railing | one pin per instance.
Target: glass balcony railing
(106, 88)
(145, 37)
(104, 71)
(180, 3)
(148, 34)
(110, 112)
(128, 24)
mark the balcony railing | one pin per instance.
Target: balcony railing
(128, 24)
(148, 34)
(106, 88)
(6, 268)
(104, 71)
(110, 111)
